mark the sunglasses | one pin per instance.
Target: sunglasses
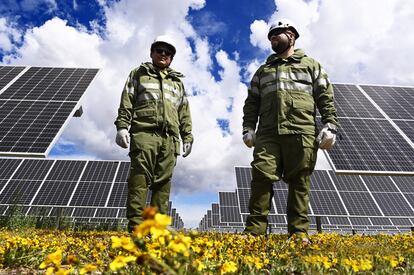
(162, 50)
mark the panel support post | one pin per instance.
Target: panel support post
(318, 224)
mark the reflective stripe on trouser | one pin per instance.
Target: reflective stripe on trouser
(153, 158)
(292, 157)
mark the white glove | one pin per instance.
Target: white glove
(249, 138)
(122, 138)
(187, 148)
(327, 136)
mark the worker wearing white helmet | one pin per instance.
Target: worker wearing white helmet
(153, 116)
(280, 123)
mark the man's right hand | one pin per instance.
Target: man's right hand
(122, 138)
(249, 138)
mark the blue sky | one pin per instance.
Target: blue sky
(219, 46)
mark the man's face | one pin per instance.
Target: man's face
(280, 40)
(161, 56)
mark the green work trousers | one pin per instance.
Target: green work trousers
(288, 157)
(153, 158)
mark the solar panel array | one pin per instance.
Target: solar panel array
(342, 202)
(35, 105)
(377, 130)
(82, 190)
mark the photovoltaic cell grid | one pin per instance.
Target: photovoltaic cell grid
(371, 119)
(74, 188)
(342, 201)
(36, 105)
(8, 73)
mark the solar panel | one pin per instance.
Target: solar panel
(326, 203)
(342, 202)
(106, 212)
(215, 215)
(35, 106)
(360, 203)
(280, 199)
(372, 120)
(8, 73)
(230, 214)
(396, 102)
(358, 221)
(393, 204)
(90, 191)
(371, 146)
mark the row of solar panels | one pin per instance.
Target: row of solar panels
(343, 202)
(79, 189)
(377, 125)
(84, 215)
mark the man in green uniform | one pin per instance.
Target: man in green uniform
(155, 109)
(283, 96)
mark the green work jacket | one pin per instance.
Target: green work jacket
(284, 94)
(155, 100)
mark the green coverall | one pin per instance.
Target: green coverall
(154, 107)
(283, 97)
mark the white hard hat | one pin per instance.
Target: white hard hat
(283, 24)
(164, 39)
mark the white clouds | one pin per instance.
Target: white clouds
(56, 44)
(259, 29)
(8, 35)
(356, 41)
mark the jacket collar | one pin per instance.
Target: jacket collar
(150, 68)
(297, 55)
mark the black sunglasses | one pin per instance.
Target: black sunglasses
(162, 50)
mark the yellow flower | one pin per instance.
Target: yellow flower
(101, 246)
(121, 261)
(162, 219)
(87, 269)
(50, 271)
(228, 267)
(199, 264)
(365, 264)
(54, 258)
(124, 242)
(72, 259)
(63, 271)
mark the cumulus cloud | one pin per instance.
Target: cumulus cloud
(9, 35)
(356, 41)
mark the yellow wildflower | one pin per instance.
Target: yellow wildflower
(200, 265)
(124, 242)
(63, 271)
(55, 258)
(121, 261)
(87, 269)
(163, 220)
(365, 264)
(228, 267)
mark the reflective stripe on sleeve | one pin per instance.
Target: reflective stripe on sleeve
(268, 89)
(267, 78)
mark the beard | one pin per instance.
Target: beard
(281, 45)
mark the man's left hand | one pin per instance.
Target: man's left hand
(187, 149)
(327, 136)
